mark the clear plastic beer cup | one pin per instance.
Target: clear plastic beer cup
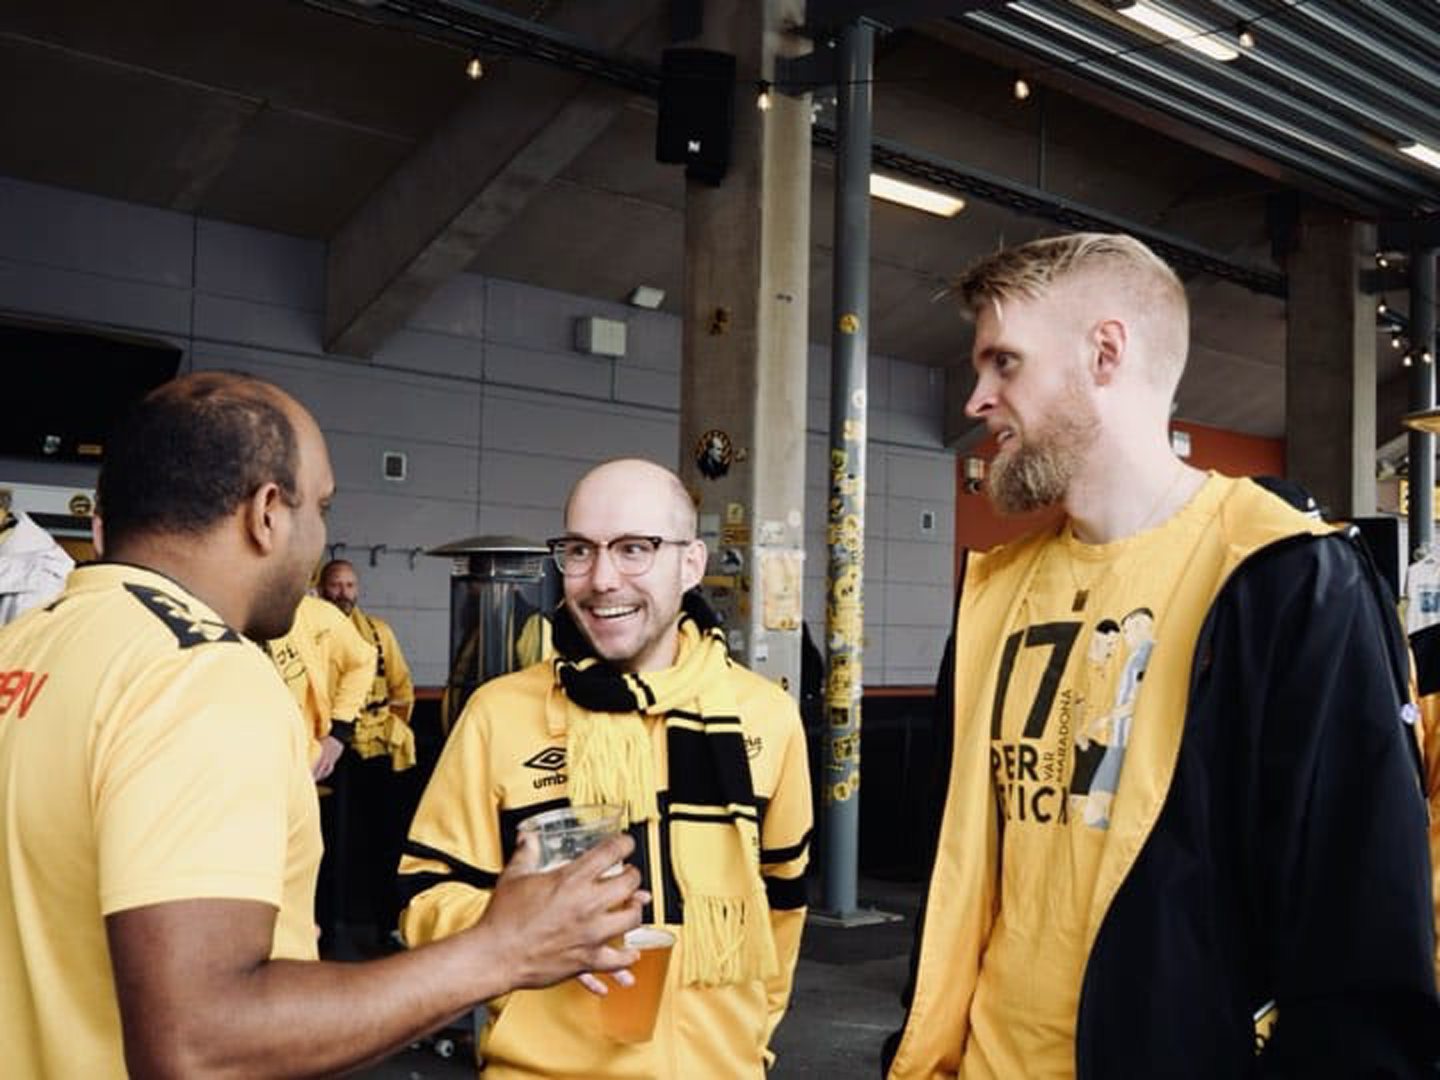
(566, 833)
(627, 1013)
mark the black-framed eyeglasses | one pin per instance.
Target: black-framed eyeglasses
(631, 555)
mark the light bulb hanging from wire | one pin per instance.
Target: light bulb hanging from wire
(1021, 89)
(474, 69)
(1245, 36)
(762, 100)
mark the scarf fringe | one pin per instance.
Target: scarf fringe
(612, 763)
(727, 941)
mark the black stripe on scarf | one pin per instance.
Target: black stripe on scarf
(412, 885)
(709, 769)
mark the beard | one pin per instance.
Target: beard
(1038, 473)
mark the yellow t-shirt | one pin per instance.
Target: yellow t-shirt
(148, 753)
(1071, 669)
(327, 665)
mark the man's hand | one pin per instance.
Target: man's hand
(551, 926)
(330, 750)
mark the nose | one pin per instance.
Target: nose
(604, 575)
(982, 398)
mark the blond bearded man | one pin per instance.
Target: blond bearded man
(641, 708)
(158, 820)
(1240, 886)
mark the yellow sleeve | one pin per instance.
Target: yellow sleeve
(784, 854)
(350, 663)
(452, 856)
(400, 687)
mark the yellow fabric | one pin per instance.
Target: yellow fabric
(963, 894)
(141, 770)
(1430, 750)
(1082, 636)
(714, 849)
(502, 759)
(327, 665)
(383, 726)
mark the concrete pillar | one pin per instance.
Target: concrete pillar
(1330, 363)
(742, 397)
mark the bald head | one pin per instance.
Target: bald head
(640, 484)
(340, 585)
(193, 449)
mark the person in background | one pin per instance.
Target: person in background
(1239, 885)
(33, 567)
(642, 708)
(158, 820)
(382, 746)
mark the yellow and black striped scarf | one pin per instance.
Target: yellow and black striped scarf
(713, 824)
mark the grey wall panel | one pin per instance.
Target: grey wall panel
(88, 299)
(271, 326)
(647, 386)
(345, 396)
(434, 353)
(528, 480)
(543, 369)
(913, 563)
(251, 264)
(563, 428)
(435, 470)
(67, 230)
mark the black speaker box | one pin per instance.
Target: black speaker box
(63, 389)
(697, 112)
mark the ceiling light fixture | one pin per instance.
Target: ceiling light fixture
(1178, 30)
(474, 69)
(915, 196)
(1022, 89)
(1427, 155)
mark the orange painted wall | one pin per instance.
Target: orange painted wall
(978, 526)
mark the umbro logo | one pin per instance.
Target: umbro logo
(551, 759)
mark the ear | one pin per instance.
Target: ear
(1110, 337)
(259, 516)
(692, 565)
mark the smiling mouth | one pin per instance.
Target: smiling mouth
(613, 612)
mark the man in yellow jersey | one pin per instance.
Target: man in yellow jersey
(643, 709)
(158, 820)
(373, 825)
(329, 669)
(1195, 848)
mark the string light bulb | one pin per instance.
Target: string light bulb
(1246, 36)
(1382, 308)
(1380, 260)
(1405, 360)
(474, 69)
(762, 100)
(1425, 357)
(1021, 89)
(1395, 341)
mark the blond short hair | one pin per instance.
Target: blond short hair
(1149, 286)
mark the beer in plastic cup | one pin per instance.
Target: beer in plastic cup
(566, 833)
(627, 1013)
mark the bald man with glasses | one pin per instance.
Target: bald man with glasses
(641, 708)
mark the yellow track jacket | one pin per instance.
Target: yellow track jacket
(501, 765)
(328, 667)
